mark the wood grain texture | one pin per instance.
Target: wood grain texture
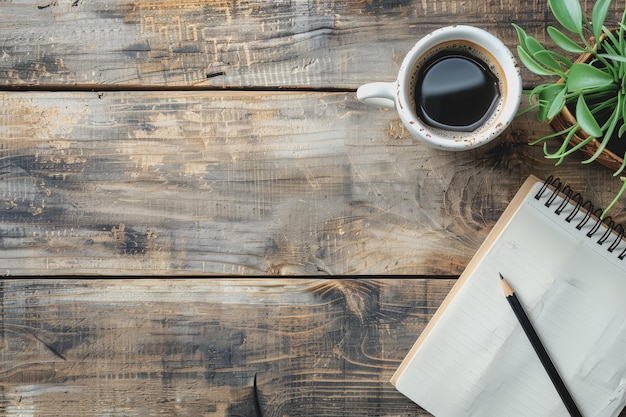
(183, 347)
(137, 180)
(235, 43)
(242, 183)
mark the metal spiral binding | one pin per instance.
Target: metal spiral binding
(587, 208)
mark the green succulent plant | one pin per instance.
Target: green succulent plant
(597, 88)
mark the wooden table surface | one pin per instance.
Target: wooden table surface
(165, 139)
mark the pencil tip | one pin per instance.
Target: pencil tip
(508, 291)
(501, 277)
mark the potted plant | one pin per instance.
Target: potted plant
(587, 105)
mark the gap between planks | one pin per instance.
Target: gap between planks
(86, 88)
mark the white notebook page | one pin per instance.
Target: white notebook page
(475, 360)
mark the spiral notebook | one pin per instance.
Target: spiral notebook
(569, 270)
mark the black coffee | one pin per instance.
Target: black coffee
(455, 91)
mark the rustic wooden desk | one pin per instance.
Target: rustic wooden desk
(178, 138)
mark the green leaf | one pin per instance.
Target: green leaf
(557, 104)
(529, 43)
(568, 13)
(534, 49)
(521, 35)
(546, 91)
(541, 54)
(578, 146)
(608, 133)
(613, 57)
(617, 197)
(600, 10)
(545, 58)
(563, 42)
(621, 168)
(560, 153)
(533, 46)
(530, 63)
(586, 120)
(546, 95)
(610, 49)
(611, 38)
(584, 76)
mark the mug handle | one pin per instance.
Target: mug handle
(379, 94)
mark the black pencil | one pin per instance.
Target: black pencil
(539, 349)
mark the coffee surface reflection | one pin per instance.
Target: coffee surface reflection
(456, 91)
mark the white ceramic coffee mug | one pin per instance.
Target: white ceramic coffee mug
(400, 95)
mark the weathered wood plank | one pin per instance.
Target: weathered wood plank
(248, 183)
(234, 43)
(192, 347)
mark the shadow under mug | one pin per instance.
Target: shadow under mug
(400, 95)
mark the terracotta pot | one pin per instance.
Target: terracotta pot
(566, 119)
